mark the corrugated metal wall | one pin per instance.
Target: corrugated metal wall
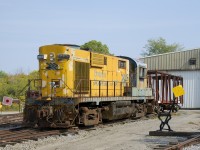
(177, 63)
(173, 61)
(191, 84)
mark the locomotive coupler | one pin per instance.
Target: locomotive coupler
(45, 111)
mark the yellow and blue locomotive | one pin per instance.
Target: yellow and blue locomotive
(81, 87)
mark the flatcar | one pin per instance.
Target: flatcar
(81, 87)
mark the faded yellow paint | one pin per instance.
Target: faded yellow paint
(110, 77)
(106, 80)
(48, 76)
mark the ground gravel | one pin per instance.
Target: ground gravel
(193, 147)
(128, 135)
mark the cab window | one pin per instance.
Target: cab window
(122, 64)
(142, 72)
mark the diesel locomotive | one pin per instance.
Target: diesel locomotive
(80, 87)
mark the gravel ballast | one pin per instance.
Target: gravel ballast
(127, 135)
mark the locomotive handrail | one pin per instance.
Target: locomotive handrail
(67, 86)
(79, 83)
(99, 86)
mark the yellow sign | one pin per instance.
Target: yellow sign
(0, 106)
(178, 91)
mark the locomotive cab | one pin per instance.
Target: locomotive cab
(137, 78)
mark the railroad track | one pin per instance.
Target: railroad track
(187, 143)
(9, 134)
(11, 118)
(14, 136)
(18, 135)
(181, 140)
(11, 121)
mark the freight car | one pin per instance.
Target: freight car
(162, 83)
(81, 87)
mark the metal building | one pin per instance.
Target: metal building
(182, 63)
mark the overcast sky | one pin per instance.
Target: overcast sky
(125, 26)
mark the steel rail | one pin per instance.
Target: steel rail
(16, 136)
(11, 118)
(186, 143)
(13, 136)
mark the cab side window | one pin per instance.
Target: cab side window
(142, 72)
(121, 64)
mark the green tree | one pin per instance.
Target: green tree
(3, 74)
(14, 85)
(96, 46)
(33, 75)
(160, 46)
(3, 87)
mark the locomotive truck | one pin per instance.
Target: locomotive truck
(80, 87)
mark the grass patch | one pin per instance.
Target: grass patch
(13, 107)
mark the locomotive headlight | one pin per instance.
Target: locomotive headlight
(63, 56)
(42, 57)
(51, 57)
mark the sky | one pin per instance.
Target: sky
(124, 26)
